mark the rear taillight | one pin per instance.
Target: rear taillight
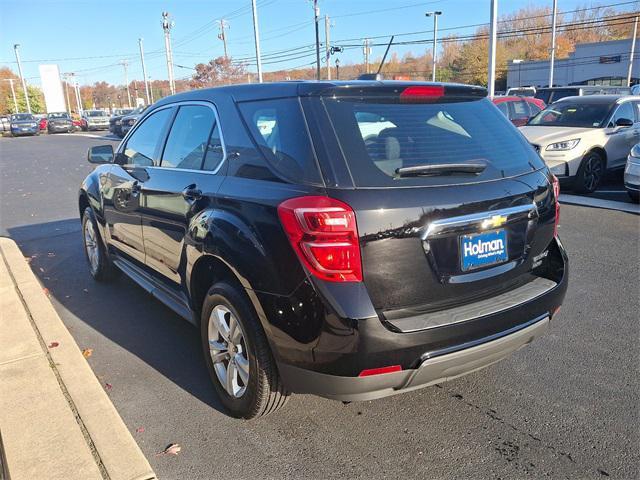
(556, 197)
(323, 233)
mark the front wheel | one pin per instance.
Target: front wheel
(590, 173)
(237, 354)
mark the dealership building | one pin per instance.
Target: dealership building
(600, 63)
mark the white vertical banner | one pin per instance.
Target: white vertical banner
(52, 88)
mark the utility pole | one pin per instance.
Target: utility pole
(316, 16)
(78, 96)
(144, 72)
(493, 31)
(151, 89)
(337, 69)
(553, 41)
(633, 51)
(167, 25)
(256, 34)
(125, 64)
(222, 24)
(366, 51)
(435, 16)
(16, 47)
(13, 94)
(327, 44)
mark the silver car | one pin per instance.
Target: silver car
(632, 173)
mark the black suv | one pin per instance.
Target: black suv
(348, 239)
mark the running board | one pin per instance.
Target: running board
(155, 288)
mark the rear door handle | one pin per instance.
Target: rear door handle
(192, 192)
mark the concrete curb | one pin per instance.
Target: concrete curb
(56, 419)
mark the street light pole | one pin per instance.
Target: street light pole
(553, 42)
(16, 48)
(633, 51)
(144, 72)
(435, 16)
(493, 30)
(256, 34)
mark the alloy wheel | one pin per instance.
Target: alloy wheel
(91, 245)
(592, 172)
(228, 351)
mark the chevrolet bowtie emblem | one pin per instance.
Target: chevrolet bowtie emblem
(494, 222)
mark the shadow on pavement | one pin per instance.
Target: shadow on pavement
(120, 311)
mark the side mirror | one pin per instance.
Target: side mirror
(624, 122)
(100, 154)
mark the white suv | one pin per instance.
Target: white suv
(581, 137)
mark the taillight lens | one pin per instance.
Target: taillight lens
(421, 93)
(323, 233)
(556, 195)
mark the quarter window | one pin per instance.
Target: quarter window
(141, 148)
(520, 110)
(504, 108)
(189, 138)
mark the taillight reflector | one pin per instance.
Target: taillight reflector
(323, 233)
(381, 370)
(422, 93)
(556, 195)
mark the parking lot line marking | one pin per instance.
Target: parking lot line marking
(610, 191)
(600, 203)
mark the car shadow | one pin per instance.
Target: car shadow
(119, 310)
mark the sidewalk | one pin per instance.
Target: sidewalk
(56, 421)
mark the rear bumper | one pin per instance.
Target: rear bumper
(323, 354)
(434, 368)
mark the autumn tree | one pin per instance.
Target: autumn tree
(219, 71)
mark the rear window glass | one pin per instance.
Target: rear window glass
(279, 129)
(380, 138)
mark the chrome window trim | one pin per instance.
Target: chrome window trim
(212, 106)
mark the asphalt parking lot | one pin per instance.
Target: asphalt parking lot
(567, 406)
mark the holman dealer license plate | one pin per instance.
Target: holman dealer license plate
(483, 249)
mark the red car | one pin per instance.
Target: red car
(42, 124)
(519, 109)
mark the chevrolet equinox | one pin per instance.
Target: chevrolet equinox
(352, 239)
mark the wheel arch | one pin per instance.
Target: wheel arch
(601, 151)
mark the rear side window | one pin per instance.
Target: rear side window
(380, 138)
(519, 110)
(142, 146)
(279, 129)
(504, 108)
(535, 109)
(189, 137)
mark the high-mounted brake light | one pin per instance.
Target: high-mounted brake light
(421, 93)
(324, 235)
(556, 197)
(380, 371)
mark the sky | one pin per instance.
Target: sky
(91, 37)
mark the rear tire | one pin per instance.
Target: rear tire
(232, 335)
(590, 174)
(100, 266)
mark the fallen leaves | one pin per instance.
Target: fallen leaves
(53, 344)
(108, 386)
(46, 292)
(172, 449)
(140, 430)
(87, 352)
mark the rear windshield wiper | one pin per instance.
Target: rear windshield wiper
(441, 169)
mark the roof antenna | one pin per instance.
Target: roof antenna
(377, 75)
(384, 57)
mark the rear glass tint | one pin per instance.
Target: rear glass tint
(279, 129)
(379, 138)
